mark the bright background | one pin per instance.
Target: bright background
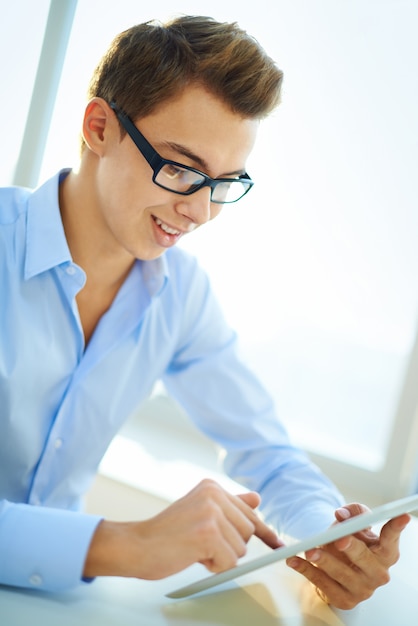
(317, 267)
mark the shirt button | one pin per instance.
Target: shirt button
(58, 443)
(35, 580)
(70, 270)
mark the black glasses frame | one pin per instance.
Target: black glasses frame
(157, 162)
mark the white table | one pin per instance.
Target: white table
(272, 596)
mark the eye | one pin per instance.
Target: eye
(182, 177)
(174, 172)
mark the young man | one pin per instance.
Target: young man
(98, 304)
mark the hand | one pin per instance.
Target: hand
(208, 525)
(349, 570)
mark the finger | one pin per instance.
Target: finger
(238, 510)
(388, 547)
(351, 510)
(228, 512)
(220, 540)
(362, 568)
(384, 548)
(371, 570)
(251, 498)
(330, 590)
(391, 531)
(240, 515)
(348, 571)
(230, 547)
(345, 579)
(231, 530)
(261, 529)
(234, 517)
(224, 555)
(267, 535)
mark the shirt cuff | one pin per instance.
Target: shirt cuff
(43, 548)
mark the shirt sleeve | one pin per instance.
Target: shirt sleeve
(43, 548)
(229, 404)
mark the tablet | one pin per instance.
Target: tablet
(347, 527)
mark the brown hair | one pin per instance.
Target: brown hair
(151, 63)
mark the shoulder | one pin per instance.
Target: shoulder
(22, 210)
(13, 203)
(13, 219)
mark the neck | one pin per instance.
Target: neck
(104, 262)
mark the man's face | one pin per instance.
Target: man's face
(195, 129)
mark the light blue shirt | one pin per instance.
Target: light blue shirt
(62, 403)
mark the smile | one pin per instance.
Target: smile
(167, 229)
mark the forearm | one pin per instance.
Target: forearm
(295, 496)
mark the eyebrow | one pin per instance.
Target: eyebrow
(203, 165)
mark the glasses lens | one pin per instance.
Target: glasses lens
(174, 177)
(230, 191)
(177, 178)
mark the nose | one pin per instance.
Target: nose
(197, 207)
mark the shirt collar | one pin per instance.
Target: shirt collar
(155, 275)
(46, 245)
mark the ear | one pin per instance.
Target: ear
(98, 124)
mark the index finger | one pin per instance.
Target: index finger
(261, 529)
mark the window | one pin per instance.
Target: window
(316, 267)
(20, 31)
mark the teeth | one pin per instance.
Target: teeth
(165, 228)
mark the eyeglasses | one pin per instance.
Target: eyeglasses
(180, 178)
